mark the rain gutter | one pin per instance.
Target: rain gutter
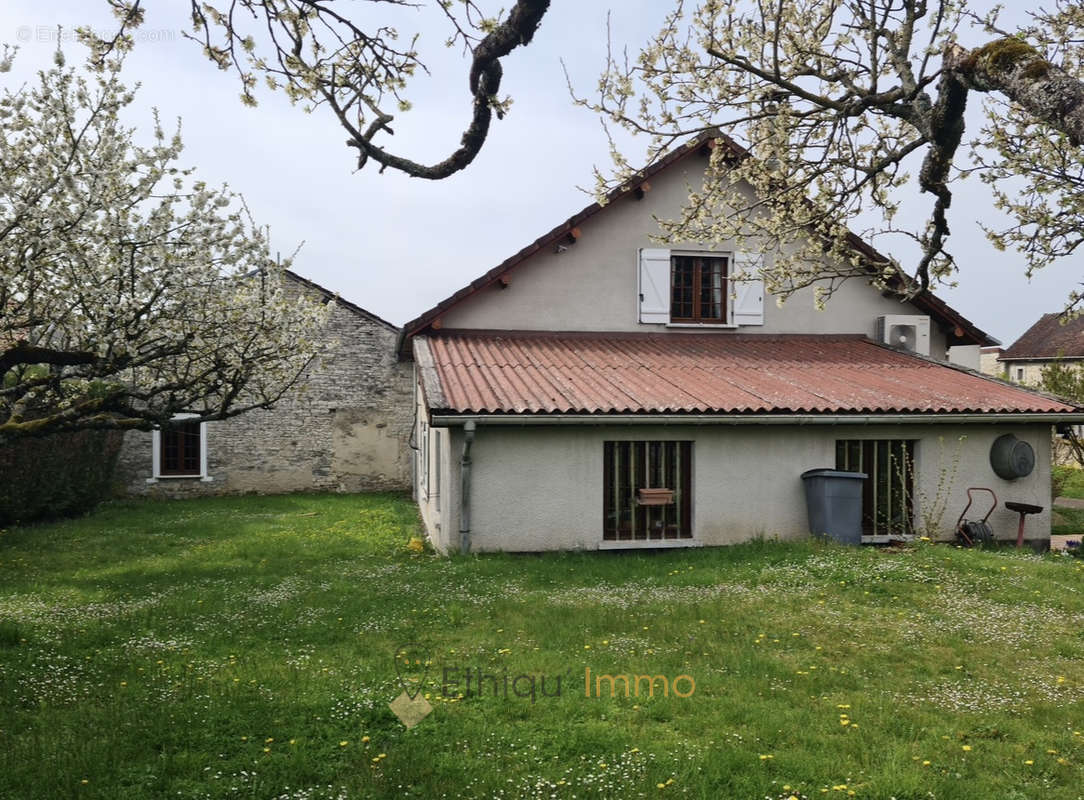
(456, 420)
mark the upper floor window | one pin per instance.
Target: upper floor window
(690, 288)
(698, 290)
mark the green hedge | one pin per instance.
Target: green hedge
(58, 475)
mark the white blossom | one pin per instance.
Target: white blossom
(129, 291)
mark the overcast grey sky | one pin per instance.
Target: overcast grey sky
(398, 245)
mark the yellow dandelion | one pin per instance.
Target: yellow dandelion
(967, 748)
(365, 739)
(343, 743)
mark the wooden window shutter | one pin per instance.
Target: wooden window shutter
(654, 285)
(748, 291)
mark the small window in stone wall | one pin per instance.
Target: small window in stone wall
(180, 449)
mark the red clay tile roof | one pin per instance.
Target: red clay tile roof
(961, 330)
(577, 373)
(1048, 338)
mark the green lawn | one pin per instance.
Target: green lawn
(1072, 481)
(1071, 524)
(1071, 521)
(244, 648)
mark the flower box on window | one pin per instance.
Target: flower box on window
(654, 497)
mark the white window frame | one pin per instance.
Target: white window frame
(737, 263)
(156, 455)
(728, 313)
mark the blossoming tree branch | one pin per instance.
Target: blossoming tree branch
(841, 104)
(334, 55)
(129, 290)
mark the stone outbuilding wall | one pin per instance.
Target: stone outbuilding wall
(347, 430)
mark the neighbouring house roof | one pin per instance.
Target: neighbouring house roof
(329, 295)
(962, 330)
(645, 373)
(1048, 338)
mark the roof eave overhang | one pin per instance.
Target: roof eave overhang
(1041, 358)
(444, 419)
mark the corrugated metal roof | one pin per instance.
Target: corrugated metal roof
(1049, 338)
(576, 373)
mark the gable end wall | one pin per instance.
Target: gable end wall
(592, 285)
(346, 431)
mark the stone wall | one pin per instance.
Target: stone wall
(345, 430)
(1029, 373)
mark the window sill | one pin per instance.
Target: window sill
(200, 478)
(886, 538)
(722, 325)
(648, 544)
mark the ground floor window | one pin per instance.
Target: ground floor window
(648, 491)
(180, 449)
(888, 491)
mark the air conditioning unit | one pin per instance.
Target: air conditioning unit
(906, 331)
